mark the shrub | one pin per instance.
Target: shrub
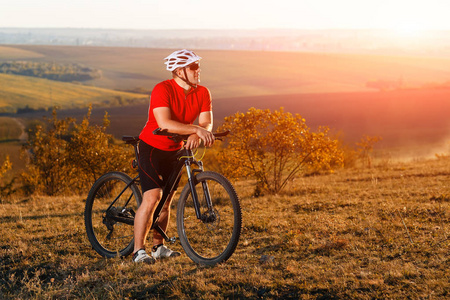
(274, 147)
(66, 158)
(47, 170)
(92, 152)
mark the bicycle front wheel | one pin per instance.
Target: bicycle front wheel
(213, 237)
(109, 214)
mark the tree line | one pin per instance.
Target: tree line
(50, 70)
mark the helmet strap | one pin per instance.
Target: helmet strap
(186, 79)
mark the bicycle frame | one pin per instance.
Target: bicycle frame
(168, 189)
(185, 161)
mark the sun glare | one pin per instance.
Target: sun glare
(408, 20)
(408, 30)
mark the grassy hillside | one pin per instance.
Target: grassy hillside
(380, 233)
(36, 93)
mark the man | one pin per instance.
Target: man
(175, 104)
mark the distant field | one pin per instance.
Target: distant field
(232, 74)
(13, 53)
(403, 118)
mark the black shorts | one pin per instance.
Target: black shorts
(155, 166)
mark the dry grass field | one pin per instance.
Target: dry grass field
(379, 233)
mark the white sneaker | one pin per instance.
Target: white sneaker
(142, 257)
(161, 251)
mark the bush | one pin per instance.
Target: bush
(93, 152)
(66, 158)
(274, 147)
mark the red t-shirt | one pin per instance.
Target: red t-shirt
(183, 108)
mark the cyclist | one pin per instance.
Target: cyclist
(174, 105)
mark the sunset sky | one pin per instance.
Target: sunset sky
(402, 15)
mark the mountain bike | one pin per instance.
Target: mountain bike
(208, 215)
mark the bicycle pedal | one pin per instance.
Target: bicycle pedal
(172, 240)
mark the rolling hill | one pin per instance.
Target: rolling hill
(231, 74)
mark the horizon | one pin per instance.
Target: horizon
(398, 15)
(380, 41)
(272, 29)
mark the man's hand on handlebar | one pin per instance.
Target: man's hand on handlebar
(206, 136)
(192, 142)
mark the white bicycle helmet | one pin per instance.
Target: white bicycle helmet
(180, 59)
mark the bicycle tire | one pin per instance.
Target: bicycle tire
(107, 236)
(214, 239)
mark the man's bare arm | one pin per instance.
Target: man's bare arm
(203, 130)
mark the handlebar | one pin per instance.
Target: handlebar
(180, 137)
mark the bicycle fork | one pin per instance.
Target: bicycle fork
(206, 217)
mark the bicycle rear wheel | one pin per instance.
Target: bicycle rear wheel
(214, 237)
(109, 214)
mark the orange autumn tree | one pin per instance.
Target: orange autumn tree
(274, 147)
(65, 158)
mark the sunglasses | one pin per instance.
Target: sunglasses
(194, 67)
